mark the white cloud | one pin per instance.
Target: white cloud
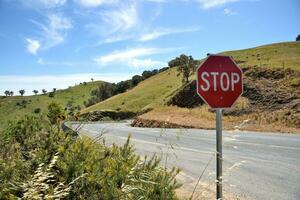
(134, 58)
(159, 33)
(54, 31)
(48, 82)
(145, 63)
(94, 3)
(41, 61)
(207, 4)
(128, 55)
(115, 23)
(123, 18)
(43, 4)
(115, 38)
(32, 45)
(229, 12)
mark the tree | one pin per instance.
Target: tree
(186, 66)
(11, 93)
(298, 38)
(123, 86)
(146, 74)
(7, 92)
(35, 92)
(44, 91)
(54, 90)
(136, 79)
(92, 79)
(22, 92)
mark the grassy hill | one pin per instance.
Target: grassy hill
(279, 55)
(147, 94)
(14, 107)
(153, 92)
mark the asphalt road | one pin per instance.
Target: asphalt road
(255, 165)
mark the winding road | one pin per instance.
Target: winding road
(260, 166)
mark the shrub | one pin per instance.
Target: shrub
(51, 94)
(55, 113)
(22, 104)
(37, 110)
(39, 162)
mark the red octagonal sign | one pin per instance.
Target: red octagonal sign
(219, 81)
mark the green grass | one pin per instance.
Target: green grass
(77, 95)
(155, 91)
(279, 55)
(148, 94)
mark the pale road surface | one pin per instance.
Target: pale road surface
(262, 166)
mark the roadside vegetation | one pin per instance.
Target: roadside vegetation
(39, 161)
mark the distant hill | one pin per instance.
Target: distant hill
(154, 93)
(17, 106)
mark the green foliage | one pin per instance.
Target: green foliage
(35, 92)
(22, 104)
(7, 93)
(186, 66)
(55, 113)
(22, 92)
(37, 161)
(37, 110)
(11, 111)
(51, 94)
(104, 91)
(136, 79)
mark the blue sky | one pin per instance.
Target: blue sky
(57, 43)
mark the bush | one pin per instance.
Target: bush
(23, 104)
(55, 113)
(38, 160)
(37, 110)
(51, 94)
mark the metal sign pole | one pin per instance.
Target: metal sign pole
(219, 153)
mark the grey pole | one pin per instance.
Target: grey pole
(219, 153)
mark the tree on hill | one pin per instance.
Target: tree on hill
(104, 91)
(7, 92)
(298, 38)
(136, 79)
(146, 74)
(35, 92)
(123, 86)
(92, 79)
(54, 90)
(44, 91)
(186, 66)
(22, 92)
(11, 93)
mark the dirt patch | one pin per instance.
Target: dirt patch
(140, 122)
(186, 97)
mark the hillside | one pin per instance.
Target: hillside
(279, 55)
(15, 107)
(146, 95)
(156, 92)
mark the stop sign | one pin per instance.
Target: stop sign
(219, 81)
